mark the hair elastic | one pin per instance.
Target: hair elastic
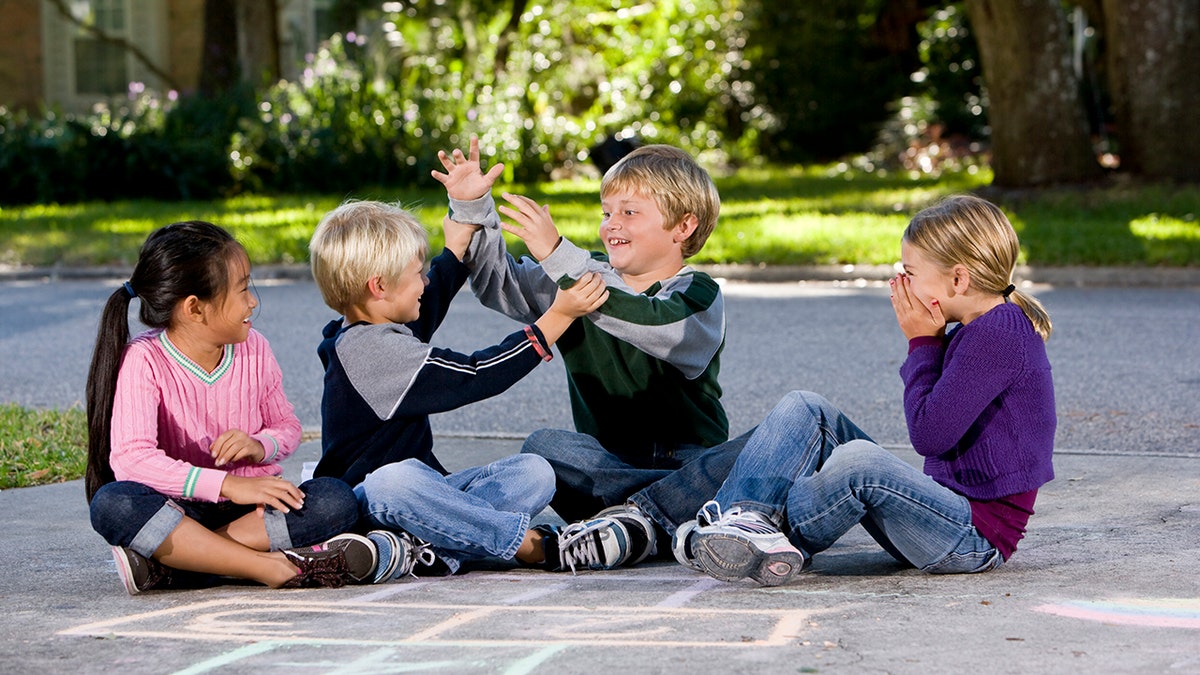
(1008, 291)
(129, 290)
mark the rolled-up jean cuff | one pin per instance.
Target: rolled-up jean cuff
(277, 529)
(155, 531)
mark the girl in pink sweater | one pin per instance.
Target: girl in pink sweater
(187, 423)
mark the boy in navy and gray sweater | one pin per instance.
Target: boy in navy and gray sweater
(383, 380)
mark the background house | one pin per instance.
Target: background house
(71, 54)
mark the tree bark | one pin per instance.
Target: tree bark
(219, 64)
(258, 40)
(1039, 130)
(1154, 80)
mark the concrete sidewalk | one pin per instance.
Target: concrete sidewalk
(1105, 580)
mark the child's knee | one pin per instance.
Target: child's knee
(331, 499)
(545, 442)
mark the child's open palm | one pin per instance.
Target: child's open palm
(464, 178)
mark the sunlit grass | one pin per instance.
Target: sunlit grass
(41, 446)
(796, 216)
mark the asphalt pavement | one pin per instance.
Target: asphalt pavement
(1104, 580)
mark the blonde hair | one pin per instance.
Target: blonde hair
(973, 232)
(675, 182)
(360, 240)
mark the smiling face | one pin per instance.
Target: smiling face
(231, 313)
(403, 294)
(638, 244)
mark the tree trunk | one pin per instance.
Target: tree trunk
(1039, 130)
(1154, 78)
(219, 64)
(258, 40)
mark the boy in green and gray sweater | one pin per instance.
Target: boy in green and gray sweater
(651, 434)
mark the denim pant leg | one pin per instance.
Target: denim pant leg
(330, 508)
(133, 515)
(588, 477)
(793, 441)
(470, 514)
(914, 518)
(675, 498)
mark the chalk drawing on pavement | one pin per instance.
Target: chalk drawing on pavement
(1153, 612)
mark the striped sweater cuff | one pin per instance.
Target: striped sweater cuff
(539, 342)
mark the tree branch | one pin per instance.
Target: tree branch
(100, 35)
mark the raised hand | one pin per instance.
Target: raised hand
(464, 177)
(533, 224)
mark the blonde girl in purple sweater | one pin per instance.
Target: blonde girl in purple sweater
(187, 423)
(979, 402)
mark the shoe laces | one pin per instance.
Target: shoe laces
(577, 544)
(746, 521)
(419, 553)
(325, 569)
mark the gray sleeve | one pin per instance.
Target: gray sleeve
(519, 289)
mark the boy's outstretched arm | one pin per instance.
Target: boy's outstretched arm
(583, 298)
(464, 178)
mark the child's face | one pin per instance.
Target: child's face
(633, 235)
(231, 313)
(927, 280)
(403, 294)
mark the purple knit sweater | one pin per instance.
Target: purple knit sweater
(980, 406)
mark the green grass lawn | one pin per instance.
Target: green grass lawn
(797, 216)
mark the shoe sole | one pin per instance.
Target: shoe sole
(731, 558)
(124, 570)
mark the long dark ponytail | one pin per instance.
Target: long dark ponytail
(177, 261)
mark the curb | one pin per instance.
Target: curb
(1072, 276)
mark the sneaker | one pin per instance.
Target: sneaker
(596, 544)
(399, 554)
(639, 527)
(681, 544)
(346, 558)
(138, 572)
(742, 544)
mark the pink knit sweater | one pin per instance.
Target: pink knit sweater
(168, 411)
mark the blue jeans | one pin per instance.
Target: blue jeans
(135, 516)
(474, 514)
(668, 486)
(808, 465)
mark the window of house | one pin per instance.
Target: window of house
(100, 64)
(89, 51)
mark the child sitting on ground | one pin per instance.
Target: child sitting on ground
(187, 424)
(383, 380)
(979, 401)
(651, 433)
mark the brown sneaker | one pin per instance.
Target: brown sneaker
(344, 559)
(138, 572)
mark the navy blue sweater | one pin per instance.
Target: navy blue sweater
(382, 381)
